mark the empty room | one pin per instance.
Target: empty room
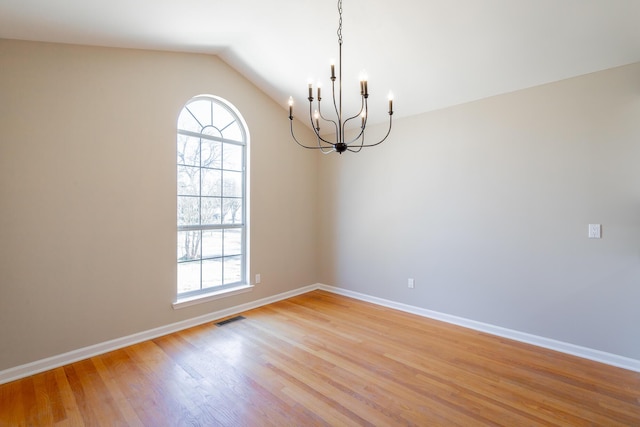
(327, 212)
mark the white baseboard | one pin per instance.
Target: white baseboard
(563, 347)
(53, 362)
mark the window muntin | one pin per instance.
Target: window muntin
(211, 197)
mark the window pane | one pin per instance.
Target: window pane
(211, 273)
(187, 122)
(232, 157)
(211, 182)
(233, 132)
(233, 242)
(188, 150)
(212, 131)
(221, 116)
(188, 211)
(212, 243)
(232, 269)
(232, 184)
(201, 109)
(189, 245)
(232, 211)
(188, 181)
(188, 276)
(211, 210)
(211, 154)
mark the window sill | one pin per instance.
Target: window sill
(202, 298)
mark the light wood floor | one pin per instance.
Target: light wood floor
(323, 359)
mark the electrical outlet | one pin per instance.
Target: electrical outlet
(258, 278)
(411, 282)
(595, 231)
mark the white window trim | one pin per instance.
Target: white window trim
(211, 296)
(245, 285)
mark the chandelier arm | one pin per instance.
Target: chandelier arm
(385, 137)
(359, 136)
(320, 138)
(329, 149)
(363, 108)
(353, 117)
(335, 125)
(337, 109)
(333, 150)
(306, 146)
(358, 147)
(316, 130)
(324, 149)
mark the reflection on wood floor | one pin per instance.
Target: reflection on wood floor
(324, 359)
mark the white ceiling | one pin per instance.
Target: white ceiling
(430, 53)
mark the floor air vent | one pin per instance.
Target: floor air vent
(229, 320)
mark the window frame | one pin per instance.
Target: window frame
(223, 289)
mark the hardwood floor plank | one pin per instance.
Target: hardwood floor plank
(81, 400)
(375, 368)
(273, 402)
(72, 413)
(96, 403)
(361, 375)
(176, 394)
(111, 383)
(42, 413)
(215, 384)
(11, 410)
(321, 359)
(490, 362)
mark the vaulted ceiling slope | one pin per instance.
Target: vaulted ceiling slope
(430, 53)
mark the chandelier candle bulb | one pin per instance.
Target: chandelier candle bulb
(317, 117)
(291, 107)
(310, 91)
(390, 103)
(333, 70)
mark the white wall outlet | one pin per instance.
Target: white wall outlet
(595, 231)
(411, 283)
(258, 278)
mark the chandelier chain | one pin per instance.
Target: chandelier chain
(340, 22)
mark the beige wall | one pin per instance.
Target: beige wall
(487, 205)
(87, 193)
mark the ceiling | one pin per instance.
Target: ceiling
(430, 53)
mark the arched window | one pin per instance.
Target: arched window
(212, 197)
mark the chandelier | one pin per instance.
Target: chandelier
(337, 142)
